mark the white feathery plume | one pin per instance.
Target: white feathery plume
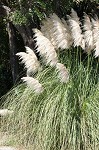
(63, 73)
(33, 84)
(88, 34)
(37, 32)
(45, 48)
(57, 32)
(96, 35)
(76, 30)
(30, 52)
(74, 16)
(70, 40)
(60, 33)
(46, 29)
(29, 59)
(5, 112)
(97, 48)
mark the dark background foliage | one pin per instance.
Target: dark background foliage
(5, 68)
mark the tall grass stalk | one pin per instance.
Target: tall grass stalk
(65, 116)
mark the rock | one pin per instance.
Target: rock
(7, 148)
(5, 112)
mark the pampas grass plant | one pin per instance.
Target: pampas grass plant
(65, 115)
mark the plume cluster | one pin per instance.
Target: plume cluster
(63, 73)
(64, 34)
(57, 33)
(45, 48)
(95, 23)
(29, 59)
(32, 65)
(33, 84)
(88, 34)
(76, 30)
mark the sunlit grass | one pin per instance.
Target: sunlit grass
(65, 116)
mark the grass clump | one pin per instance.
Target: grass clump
(65, 116)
